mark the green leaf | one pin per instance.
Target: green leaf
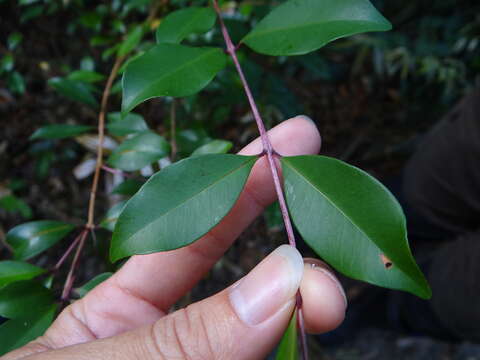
(16, 83)
(60, 131)
(132, 40)
(14, 40)
(139, 151)
(129, 187)
(18, 332)
(181, 23)
(14, 204)
(12, 271)
(170, 70)
(180, 204)
(214, 147)
(85, 288)
(112, 216)
(7, 63)
(288, 347)
(87, 76)
(75, 90)
(24, 298)
(300, 26)
(129, 124)
(352, 221)
(31, 238)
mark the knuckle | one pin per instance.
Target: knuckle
(187, 335)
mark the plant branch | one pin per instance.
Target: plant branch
(67, 252)
(267, 145)
(70, 277)
(101, 136)
(271, 155)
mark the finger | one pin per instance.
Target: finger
(324, 301)
(242, 322)
(147, 285)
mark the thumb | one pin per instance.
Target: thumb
(244, 321)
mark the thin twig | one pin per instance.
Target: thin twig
(302, 334)
(101, 136)
(116, 171)
(70, 277)
(69, 250)
(173, 129)
(267, 145)
(271, 155)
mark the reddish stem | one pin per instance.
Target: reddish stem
(271, 154)
(267, 145)
(69, 250)
(70, 277)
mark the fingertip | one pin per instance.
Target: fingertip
(324, 301)
(296, 136)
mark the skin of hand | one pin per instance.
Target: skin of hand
(126, 317)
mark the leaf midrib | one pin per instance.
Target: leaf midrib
(193, 196)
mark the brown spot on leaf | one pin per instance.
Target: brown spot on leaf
(386, 261)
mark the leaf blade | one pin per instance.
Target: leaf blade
(180, 204)
(288, 347)
(31, 238)
(23, 299)
(300, 26)
(18, 332)
(59, 131)
(169, 70)
(181, 23)
(13, 271)
(338, 208)
(139, 151)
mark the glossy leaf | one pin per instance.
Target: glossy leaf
(31, 238)
(14, 204)
(131, 41)
(352, 221)
(288, 347)
(60, 131)
(120, 126)
(75, 90)
(139, 151)
(180, 204)
(24, 298)
(181, 23)
(18, 332)
(85, 288)
(12, 271)
(213, 147)
(300, 26)
(129, 187)
(170, 70)
(87, 76)
(112, 216)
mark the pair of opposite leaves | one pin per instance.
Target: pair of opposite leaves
(346, 216)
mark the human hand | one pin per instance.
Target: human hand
(126, 317)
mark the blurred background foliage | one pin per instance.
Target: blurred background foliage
(372, 96)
